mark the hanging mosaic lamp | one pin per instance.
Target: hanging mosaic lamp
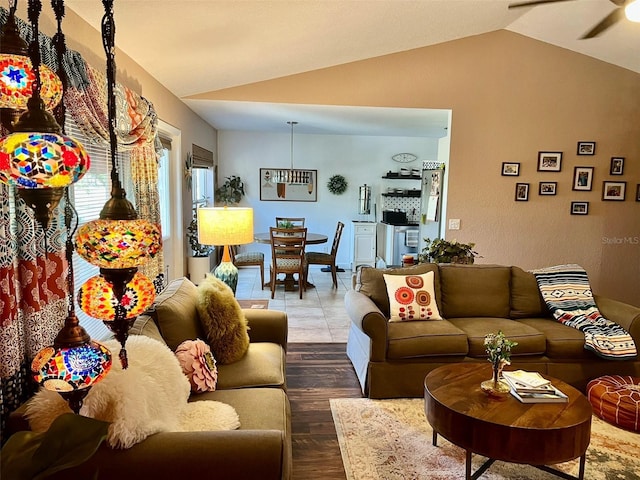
(71, 370)
(96, 297)
(37, 158)
(118, 242)
(75, 362)
(17, 74)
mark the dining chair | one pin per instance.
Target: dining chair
(320, 258)
(248, 259)
(287, 255)
(288, 222)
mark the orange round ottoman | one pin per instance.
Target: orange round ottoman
(616, 399)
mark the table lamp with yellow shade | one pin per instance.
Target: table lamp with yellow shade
(225, 226)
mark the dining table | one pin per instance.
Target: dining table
(289, 280)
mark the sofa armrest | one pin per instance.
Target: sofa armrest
(267, 326)
(237, 454)
(366, 316)
(625, 315)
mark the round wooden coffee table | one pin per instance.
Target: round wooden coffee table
(538, 434)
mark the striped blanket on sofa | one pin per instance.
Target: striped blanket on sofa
(567, 293)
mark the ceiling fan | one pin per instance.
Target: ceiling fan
(624, 8)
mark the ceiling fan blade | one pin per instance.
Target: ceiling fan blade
(532, 3)
(608, 21)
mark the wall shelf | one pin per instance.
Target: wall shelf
(402, 177)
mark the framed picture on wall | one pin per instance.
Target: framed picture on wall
(638, 192)
(547, 188)
(549, 161)
(286, 185)
(522, 192)
(510, 169)
(586, 148)
(583, 178)
(579, 208)
(614, 191)
(617, 166)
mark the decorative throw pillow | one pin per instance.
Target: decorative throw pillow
(411, 297)
(224, 323)
(198, 365)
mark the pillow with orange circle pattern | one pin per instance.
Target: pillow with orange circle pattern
(411, 297)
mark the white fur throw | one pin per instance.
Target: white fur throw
(148, 397)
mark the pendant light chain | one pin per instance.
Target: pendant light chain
(108, 42)
(61, 50)
(34, 9)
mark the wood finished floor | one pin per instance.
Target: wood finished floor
(317, 372)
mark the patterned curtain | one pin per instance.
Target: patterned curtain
(144, 170)
(33, 299)
(32, 269)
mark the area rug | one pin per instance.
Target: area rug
(257, 304)
(392, 440)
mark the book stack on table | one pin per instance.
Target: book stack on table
(531, 387)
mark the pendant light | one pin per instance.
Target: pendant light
(17, 74)
(37, 158)
(118, 242)
(75, 362)
(292, 176)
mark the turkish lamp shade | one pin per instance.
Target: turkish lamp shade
(225, 225)
(16, 83)
(68, 369)
(41, 160)
(118, 244)
(96, 297)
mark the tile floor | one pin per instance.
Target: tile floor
(320, 315)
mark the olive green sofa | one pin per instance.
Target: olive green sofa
(392, 359)
(255, 386)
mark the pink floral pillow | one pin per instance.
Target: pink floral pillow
(198, 365)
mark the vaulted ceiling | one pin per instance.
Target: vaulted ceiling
(198, 46)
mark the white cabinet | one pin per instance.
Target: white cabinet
(364, 244)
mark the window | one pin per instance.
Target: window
(163, 191)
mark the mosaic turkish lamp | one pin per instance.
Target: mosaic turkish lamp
(41, 165)
(72, 365)
(118, 244)
(96, 297)
(16, 83)
(17, 75)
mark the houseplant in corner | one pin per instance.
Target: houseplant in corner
(440, 250)
(199, 262)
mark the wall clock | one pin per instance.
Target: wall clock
(404, 157)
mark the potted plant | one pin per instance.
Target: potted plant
(440, 250)
(199, 262)
(231, 191)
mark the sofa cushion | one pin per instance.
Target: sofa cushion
(262, 366)
(174, 312)
(252, 404)
(425, 339)
(223, 320)
(411, 297)
(370, 282)
(530, 341)
(474, 291)
(526, 300)
(562, 342)
(144, 325)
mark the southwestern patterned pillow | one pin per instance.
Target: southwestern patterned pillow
(411, 297)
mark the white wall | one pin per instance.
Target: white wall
(360, 159)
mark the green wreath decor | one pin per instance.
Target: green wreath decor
(337, 184)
